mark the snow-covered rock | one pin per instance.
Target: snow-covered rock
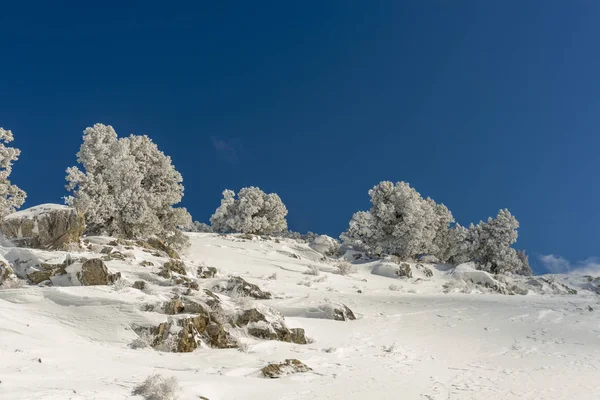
(325, 245)
(47, 226)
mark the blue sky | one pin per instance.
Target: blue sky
(481, 105)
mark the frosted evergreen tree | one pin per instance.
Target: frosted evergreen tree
(362, 234)
(11, 196)
(254, 211)
(128, 187)
(196, 226)
(400, 222)
(492, 244)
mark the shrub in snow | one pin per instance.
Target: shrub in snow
(254, 212)
(400, 222)
(325, 245)
(127, 187)
(312, 270)
(157, 387)
(11, 196)
(345, 268)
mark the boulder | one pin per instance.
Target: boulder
(238, 286)
(288, 367)
(404, 271)
(337, 312)
(94, 272)
(47, 227)
(140, 285)
(205, 272)
(298, 336)
(6, 272)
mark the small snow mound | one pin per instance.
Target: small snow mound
(325, 245)
(467, 272)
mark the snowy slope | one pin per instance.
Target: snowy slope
(414, 338)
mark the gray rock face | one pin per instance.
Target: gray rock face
(47, 227)
(94, 272)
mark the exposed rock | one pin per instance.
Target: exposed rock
(158, 244)
(6, 272)
(213, 301)
(46, 272)
(140, 285)
(248, 316)
(426, 270)
(146, 263)
(115, 255)
(205, 272)
(239, 286)
(106, 250)
(176, 266)
(191, 333)
(247, 236)
(337, 312)
(94, 272)
(289, 366)
(173, 306)
(47, 226)
(404, 271)
(298, 336)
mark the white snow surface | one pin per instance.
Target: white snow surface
(412, 338)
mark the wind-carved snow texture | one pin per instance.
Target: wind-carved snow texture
(416, 336)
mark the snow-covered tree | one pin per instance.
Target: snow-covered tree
(362, 234)
(492, 244)
(11, 196)
(525, 267)
(127, 187)
(254, 211)
(197, 226)
(400, 222)
(460, 247)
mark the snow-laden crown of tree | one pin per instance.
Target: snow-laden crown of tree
(127, 187)
(402, 223)
(11, 196)
(254, 211)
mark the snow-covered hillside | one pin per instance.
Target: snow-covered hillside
(438, 333)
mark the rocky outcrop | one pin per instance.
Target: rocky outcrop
(172, 266)
(161, 246)
(47, 227)
(237, 286)
(184, 335)
(288, 367)
(94, 273)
